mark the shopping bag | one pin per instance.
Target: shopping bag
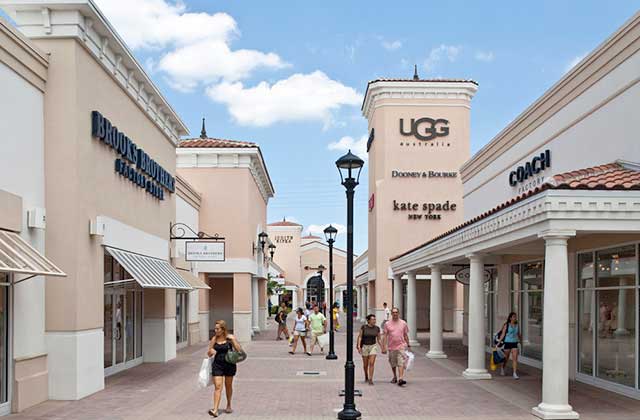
(323, 340)
(204, 376)
(408, 359)
(492, 364)
(498, 355)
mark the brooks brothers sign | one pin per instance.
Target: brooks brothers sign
(145, 173)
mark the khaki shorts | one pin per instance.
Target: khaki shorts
(300, 333)
(396, 359)
(369, 350)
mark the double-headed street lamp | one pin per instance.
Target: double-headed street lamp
(347, 165)
(330, 235)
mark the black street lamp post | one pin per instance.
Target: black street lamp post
(347, 164)
(330, 235)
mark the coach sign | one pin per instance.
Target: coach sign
(463, 275)
(204, 251)
(538, 164)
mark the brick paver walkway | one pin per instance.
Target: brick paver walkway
(268, 386)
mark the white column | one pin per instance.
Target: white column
(255, 310)
(365, 298)
(397, 291)
(555, 375)
(435, 315)
(476, 368)
(294, 299)
(362, 314)
(411, 309)
(621, 329)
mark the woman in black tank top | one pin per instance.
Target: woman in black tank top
(219, 346)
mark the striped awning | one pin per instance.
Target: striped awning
(192, 279)
(18, 256)
(149, 272)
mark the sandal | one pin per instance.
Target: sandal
(228, 410)
(213, 413)
(308, 354)
(394, 381)
(291, 352)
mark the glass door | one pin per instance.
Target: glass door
(5, 379)
(122, 329)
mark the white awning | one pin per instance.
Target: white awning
(192, 279)
(18, 256)
(149, 272)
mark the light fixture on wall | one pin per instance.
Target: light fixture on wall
(262, 239)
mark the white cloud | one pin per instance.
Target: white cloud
(301, 97)
(211, 60)
(442, 52)
(486, 56)
(194, 47)
(391, 45)
(318, 230)
(574, 62)
(358, 147)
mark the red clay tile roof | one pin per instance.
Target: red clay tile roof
(216, 143)
(612, 176)
(311, 237)
(283, 223)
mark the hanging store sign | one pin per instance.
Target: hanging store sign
(134, 164)
(464, 275)
(530, 169)
(425, 128)
(204, 251)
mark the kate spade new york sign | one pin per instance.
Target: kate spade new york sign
(426, 211)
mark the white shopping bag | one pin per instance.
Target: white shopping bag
(323, 340)
(408, 359)
(204, 376)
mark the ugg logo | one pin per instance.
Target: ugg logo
(426, 128)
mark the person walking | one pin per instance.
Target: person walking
(300, 327)
(335, 313)
(222, 371)
(387, 313)
(318, 324)
(368, 344)
(396, 341)
(510, 336)
(281, 319)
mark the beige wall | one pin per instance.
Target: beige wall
(81, 182)
(391, 232)
(287, 254)
(231, 206)
(312, 257)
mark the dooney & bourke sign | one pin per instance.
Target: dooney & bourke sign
(204, 251)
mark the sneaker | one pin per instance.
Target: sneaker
(501, 371)
(402, 382)
(515, 376)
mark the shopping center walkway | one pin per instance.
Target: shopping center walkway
(270, 385)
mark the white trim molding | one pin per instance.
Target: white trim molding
(83, 21)
(430, 91)
(559, 211)
(242, 157)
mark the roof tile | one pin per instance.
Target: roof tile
(215, 143)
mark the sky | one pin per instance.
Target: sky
(290, 75)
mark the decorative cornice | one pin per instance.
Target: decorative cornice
(83, 21)
(22, 56)
(188, 193)
(248, 158)
(563, 210)
(431, 91)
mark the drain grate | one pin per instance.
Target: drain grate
(311, 373)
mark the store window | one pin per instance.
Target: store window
(490, 302)
(4, 338)
(181, 317)
(608, 306)
(527, 297)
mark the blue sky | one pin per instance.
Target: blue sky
(290, 75)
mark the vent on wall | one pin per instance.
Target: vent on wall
(37, 218)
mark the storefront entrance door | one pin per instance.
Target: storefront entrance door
(122, 329)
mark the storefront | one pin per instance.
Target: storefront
(109, 187)
(553, 203)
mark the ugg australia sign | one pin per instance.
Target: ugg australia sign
(425, 128)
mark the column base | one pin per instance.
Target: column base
(256, 330)
(553, 411)
(414, 343)
(621, 332)
(436, 355)
(474, 374)
(242, 326)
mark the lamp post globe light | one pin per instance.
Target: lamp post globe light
(330, 234)
(349, 167)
